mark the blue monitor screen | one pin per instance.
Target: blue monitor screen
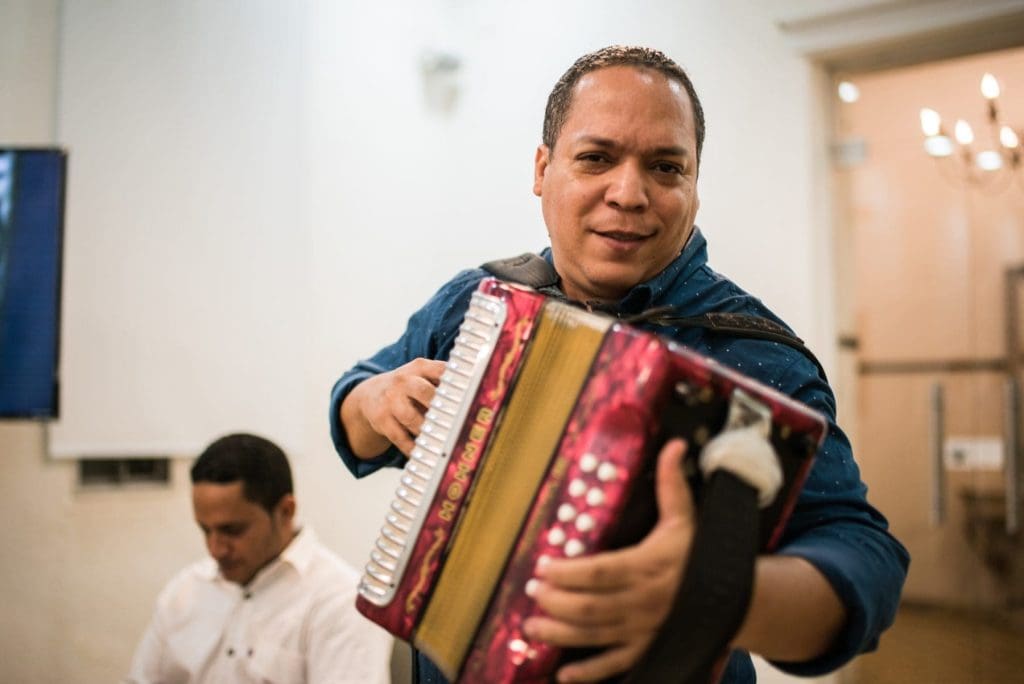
(31, 236)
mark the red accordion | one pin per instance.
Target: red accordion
(541, 440)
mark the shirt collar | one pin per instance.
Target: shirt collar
(298, 555)
(642, 296)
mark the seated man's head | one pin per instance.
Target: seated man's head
(617, 170)
(243, 502)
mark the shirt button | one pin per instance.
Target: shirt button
(247, 595)
(231, 652)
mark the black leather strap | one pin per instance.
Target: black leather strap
(715, 593)
(736, 324)
(535, 271)
(526, 269)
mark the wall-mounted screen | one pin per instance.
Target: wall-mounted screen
(32, 185)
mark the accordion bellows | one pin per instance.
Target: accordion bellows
(540, 440)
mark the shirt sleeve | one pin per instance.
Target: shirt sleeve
(145, 662)
(149, 663)
(835, 528)
(429, 333)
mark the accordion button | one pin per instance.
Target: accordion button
(518, 651)
(595, 497)
(531, 586)
(556, 536)
(566, 512)
(584, 523)
(574, 547)
(588, 462)
(577, 487)
(607, 472)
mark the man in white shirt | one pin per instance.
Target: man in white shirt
(271, 604)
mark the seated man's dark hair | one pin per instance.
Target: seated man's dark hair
(258, 463)
(560, 99)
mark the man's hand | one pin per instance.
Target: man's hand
(389, 408)
(619, 599)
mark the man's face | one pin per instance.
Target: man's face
(619, 189)
(241, 535)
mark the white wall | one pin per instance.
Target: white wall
(383, 200)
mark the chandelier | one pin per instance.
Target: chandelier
(987, 163)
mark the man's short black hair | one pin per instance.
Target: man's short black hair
(258, 463)
(560, 99)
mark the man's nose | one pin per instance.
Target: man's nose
(627, 187)
(217, 546)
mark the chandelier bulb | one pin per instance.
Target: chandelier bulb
(931, 122)
(1008, 138)
(989, 87)
(964, 134)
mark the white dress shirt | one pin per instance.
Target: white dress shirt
(295, 622)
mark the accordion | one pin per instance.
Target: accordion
(540, 441)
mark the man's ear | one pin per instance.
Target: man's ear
(540, 165)
(285, 508)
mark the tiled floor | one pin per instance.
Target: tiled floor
(936, 645)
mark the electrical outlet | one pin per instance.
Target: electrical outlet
(973, 453)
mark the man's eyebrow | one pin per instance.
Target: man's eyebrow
(596, 141)
(607, 143)
(671, 151)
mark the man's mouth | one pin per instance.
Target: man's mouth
(622, 236)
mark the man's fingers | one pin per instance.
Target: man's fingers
(395, 432)
(673, 492)
(419, 389)
(601, 572)
(583, 608)
(409, 415)
(565, 634)
(602, 666)
(436, 370)
(429, 369)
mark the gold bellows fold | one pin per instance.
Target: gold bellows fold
(564, 346)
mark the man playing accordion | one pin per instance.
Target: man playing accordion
(617, 178)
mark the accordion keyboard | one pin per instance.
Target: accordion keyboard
(426, 465)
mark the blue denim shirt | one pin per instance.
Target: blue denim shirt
(832, 526)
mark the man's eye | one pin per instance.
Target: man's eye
(592, 158)
(667, 167)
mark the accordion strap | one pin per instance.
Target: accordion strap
(526, 269)
(535, 271)
(715, 593)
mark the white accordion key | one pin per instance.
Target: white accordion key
(409, 496)
(383, 560)
(577, 487)
(402, 523)
(413, 484)
(566, 512)
(439, 419)
(607, 472)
